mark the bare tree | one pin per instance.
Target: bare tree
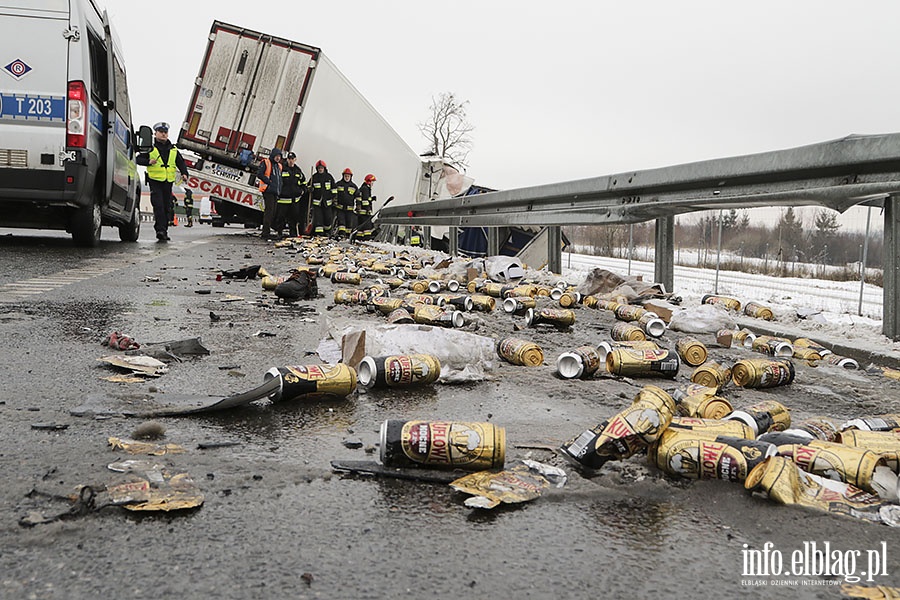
(447, 129)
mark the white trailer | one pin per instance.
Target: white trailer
(256, 92)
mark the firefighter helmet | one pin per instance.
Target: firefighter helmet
(370, 178)
(347, 171)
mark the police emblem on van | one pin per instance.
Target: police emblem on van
(17, 68)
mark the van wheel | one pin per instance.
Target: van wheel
(131, 231)
(86, 225)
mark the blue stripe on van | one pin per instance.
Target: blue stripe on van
(96, 119)
(32, 107)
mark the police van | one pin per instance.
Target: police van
(67, 145)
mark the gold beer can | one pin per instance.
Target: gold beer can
(313, 380)
(350, 297)
(419, 299)
(494, 289)
(590, 301)
(704, 406)
(764, 416)
(714, 426)
(691, 350)
(807, 354)
(629, 312)
(756, 310)
(701, 455)
(627, 332)
(744, 338)
(458, 301)
(517, 305)
(525, 289)
(270, 282)
(475, 285)
(419, 286)
(773, 346)
(569, 299)
(483, 303)
(840, 361)
(393, 282)
(582, 362)
(604, 348)
(808, 343)
(558, 317)
(729, 303)
(855, 466)
(712, 374)
(652, 324)
(610, 305)
(443, 445)
(400, 316)
(345, 277)
(884, 443)
(385, 305)
(762, 372)
(428, 314)
(520, 352)
(636, 363)
(398, 370)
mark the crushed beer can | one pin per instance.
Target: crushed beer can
(701, 455)
(558, 317)
(627, 332)
(764, 416)
(890, 422)
(384, 305)
(785, 482)
(636, 363)
(398, 370)
(808, 343)
(442, 444)
(520, 352)
(582, 362)
(712, 374)
(773, 346)
(762, 372)
(699, 401)
(428, 314)
(518, 305)
(312, 381)
(729, 303)
(400, 316)
(691, 350)
(840, 361)
(350, 297)
(519, 483)
(713, 426)
(839, 462)
(483, 303)
(815, 428)
(626, 433)
(884, 443)
(759, 311)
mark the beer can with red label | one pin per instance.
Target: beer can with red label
(627, 332)
(443, 445)
(345, 277)
(350, 297)
(629, 312)
(773, 346)
(762, 372)
(698, 455)
(729, 303)
(754, 309)
(398, 370)
(840, 462)
(808, 343)
(428, 314)
(582, 362)
(558, 317)
(384, 305)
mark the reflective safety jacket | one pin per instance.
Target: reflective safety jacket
(346, 194)
(293, 184)
(322, 188)
(165, 168)
(365, 201)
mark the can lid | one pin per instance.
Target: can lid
(784, 349)
(434, 286)
(604, 348)
(655, 327)
(467, 303)
(529, 316)
(509, 305)
(271, 374)
(453, 285)
(556, 293)
(458, 320)
(366, 372)
(569, 365)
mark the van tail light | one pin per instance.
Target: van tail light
(76, 116)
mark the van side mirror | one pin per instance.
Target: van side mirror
(144, 139)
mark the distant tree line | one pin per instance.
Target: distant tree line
(780, 246)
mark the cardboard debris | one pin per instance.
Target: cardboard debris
(523, 482)
(135, 447)
(141, 365)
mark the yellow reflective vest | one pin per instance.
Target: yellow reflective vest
(162, 171)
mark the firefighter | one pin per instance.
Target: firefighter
(364, 208)
(269, 179)
(346, 203)
(293, 192)
(415, 237)
(163, 162)
(322, 184)
(189, 207)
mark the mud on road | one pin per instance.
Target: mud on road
(277, 522)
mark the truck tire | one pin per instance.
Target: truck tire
(85, 225)
(131, 231)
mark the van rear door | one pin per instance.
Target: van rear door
(33, 87)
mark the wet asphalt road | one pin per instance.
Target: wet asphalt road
(277, 522)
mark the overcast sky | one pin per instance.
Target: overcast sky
(571, 89)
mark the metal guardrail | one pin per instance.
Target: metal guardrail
(837, 174)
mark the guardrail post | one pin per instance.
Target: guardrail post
(891, 312)
(454, 241)
(426, 237)
(664, 265)
(493, 240)
(554, 249)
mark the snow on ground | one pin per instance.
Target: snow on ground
(834, 304)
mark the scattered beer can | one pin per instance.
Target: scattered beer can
(762, 372)
(884, 443)
(270, 282)
(558, 317)
(345, 277)
(744, 337)
(729, 303)
(815, 428)
(523, 289)
(569, 299)
(712, 374)
(626, 433)
(517, 305)
(428, 314)
(483, 303)
(350, 297)
(691, 350)
(443, 445)
(312, 380)
(384, 305)
(520, 352)
(393, 282)
(610, 305)
(627, 332)
(713, 426)
(419, 286)
(701, 455)
(604, 348)
(890, 422)
(629, 312)
(839, 462)
(756, 310)
(590, 301)
(773, 346)
(703, 405)
(840, 361)
(400, 316)
(652, 324)
(808, 343)
(457, 301)
(495, 289)
(641, 363)
(398, 370)
(413, 299)
(764, 416)
(475, 286)
(810, 355)
(582, 362)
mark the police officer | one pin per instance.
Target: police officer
(269, 179)
(293, 194)
(189, 207)
(346, 203)
(323, 191)
(163, 162)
